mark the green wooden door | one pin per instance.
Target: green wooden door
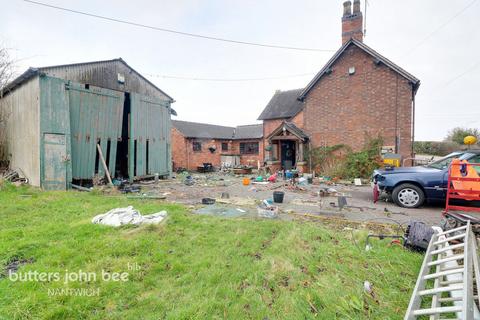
(55, 161)
(149, 144)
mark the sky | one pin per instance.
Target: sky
(436, 40)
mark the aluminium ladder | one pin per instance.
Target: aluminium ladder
(452, 290)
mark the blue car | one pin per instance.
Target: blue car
(410, 187)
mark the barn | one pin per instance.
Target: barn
(55, 119)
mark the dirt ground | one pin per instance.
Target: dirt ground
(301, 200)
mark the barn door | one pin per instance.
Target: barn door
(95, 118)
(149, 137)
(55, 161)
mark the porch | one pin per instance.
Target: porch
(285, 148)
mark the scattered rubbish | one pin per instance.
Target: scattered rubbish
(225, 195)
(15, 175)
(368, 246)
(273, 178)
(357, 181)
(367, 287)
(268, 212)
(418, 235)
(74, 186)
(146, 196)
(261, 182)
(123, 216)
(246, 181)
(267, 209)
(208, 201)
(259, 179)
(222, 211)
(389, 213)
(278, 196)
(342, 202)
(129, 188)
(189, 181)
(302, 181)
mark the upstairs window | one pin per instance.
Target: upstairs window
(248, 147)
(224, 146)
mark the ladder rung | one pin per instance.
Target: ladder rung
(458, 236)
(450, 299)
(443, 273)
(452, 230)
(452, 247)
(445, 283)
(449, 268)
(422, 312)
(441, 289)
(447, 259)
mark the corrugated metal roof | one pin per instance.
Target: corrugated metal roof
(284, 104)
(211, 131)
(31, 72)
(368, 50)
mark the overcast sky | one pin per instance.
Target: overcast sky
(427, 38)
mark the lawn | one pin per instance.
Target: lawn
(189, 267)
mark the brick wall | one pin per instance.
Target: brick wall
(179, 149)
(184, 156)
(343, 108)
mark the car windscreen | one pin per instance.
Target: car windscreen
(445, 161)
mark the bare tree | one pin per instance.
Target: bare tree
(7, 70)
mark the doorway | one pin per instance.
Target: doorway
(121, 160)
(287, 154)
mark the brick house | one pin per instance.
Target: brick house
(194, 144)
(357, 95)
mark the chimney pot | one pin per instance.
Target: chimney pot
(352, 23)
(347, 8)
(356, 6)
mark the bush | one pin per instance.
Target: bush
(340, 161)
(435, 148)
(458, 134)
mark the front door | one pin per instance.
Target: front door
(287, 149)
(55, 162)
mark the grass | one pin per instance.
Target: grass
(191, 267)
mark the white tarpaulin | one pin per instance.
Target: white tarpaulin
(121, 216)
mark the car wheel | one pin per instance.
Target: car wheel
(408, 196)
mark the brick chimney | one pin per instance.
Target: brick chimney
(352, 22)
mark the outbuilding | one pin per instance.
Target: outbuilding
(54, 117)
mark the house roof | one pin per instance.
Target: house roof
(211, 131)
(252, 131)
(292, 128)
(32, 72)
(284, 104)
(378, 58)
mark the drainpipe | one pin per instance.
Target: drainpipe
(413, 120)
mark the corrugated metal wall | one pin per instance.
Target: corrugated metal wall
(149, 125)
(95, 117)
(20, 130)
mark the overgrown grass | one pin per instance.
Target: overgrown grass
(191, 267)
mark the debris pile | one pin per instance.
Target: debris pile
(125, 216)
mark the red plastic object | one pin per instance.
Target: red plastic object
(464, 184)
(376, 193)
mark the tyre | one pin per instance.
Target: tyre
(408, 196)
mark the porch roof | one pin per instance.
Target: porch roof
(290, 127)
